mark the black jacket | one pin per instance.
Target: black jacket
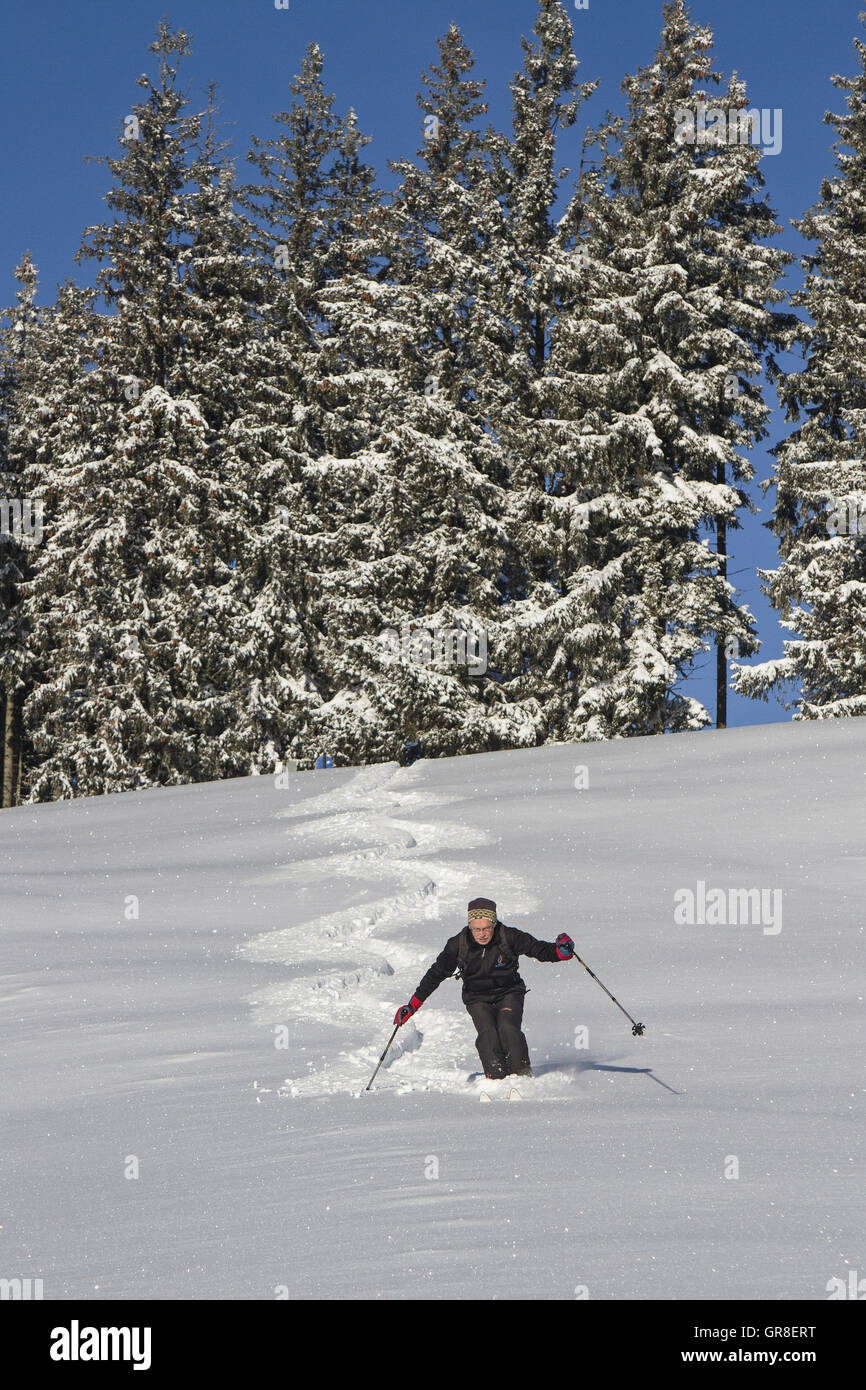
(486, 975)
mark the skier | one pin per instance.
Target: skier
(492, 989)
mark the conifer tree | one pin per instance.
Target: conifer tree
(243, 378)
(135, 606)
(20, 520)
(314, 185)
(664, 306)
(48, 353)
(416, 542)
(819, 588)
(532, 255)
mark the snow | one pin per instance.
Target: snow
(223, 1037)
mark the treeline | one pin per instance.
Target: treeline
(314, 470)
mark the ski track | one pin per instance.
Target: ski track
(352, 968)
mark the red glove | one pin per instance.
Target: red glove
(408, 1010)
(564, 946)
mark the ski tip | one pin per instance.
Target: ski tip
(514, 1095)
(484, 1096)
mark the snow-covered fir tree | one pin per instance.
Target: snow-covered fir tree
(415, 550)
(819, 588)
(530, 256)
(140, 601)
(664, 322)
(243, 377)
(50, 350)
(314, 185)
(21, 343)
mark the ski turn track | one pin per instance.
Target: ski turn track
(352, 968)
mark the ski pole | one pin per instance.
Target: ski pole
(382, 1058)
(637, 1028)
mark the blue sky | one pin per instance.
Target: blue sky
(68, 79)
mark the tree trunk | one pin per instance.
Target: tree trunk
(19, 748)
(2, 744)
(11, 751)
(721, 654)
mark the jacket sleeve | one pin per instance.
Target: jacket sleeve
(525, 945)
(444, 965)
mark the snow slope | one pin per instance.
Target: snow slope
(197, 984)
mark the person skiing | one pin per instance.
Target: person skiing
(485, 954)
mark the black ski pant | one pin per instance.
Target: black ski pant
(501, 1045)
